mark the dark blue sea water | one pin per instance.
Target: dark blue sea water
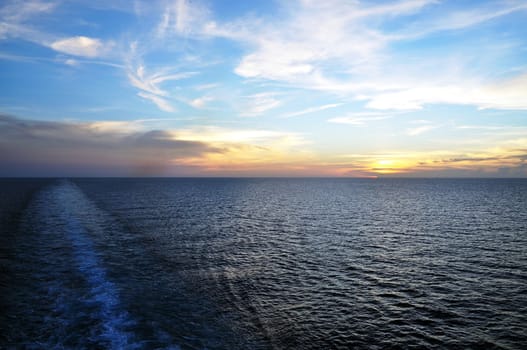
(268, 264)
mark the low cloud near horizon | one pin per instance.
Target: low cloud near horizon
(53, 148)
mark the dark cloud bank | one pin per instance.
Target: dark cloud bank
(44, 148)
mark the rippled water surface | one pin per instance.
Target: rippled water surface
(269, 264)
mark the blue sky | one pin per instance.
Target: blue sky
(263, 88)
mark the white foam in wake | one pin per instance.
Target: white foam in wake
(114, 320)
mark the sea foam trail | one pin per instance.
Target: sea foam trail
(114, 320)
(103, 292)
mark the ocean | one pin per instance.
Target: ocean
(263, 263)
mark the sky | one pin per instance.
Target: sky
(346, 88)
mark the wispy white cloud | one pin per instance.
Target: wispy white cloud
(201, 102)
(160, 102)
(260, 103)
(62, 59)
(506, 94)
(208, 86)
(420, 129)
(482, 127)
(499, 132)
(420, 121)
(76, 62)
(460, 19)
(71, 62)
(312, 110)
(360, 118)
(17, 12)
(20, 58)
(181, 17)
(15, 18)
(151, 82)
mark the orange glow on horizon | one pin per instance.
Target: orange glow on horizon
(257, 153)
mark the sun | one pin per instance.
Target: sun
(391, 166)
(385, 162)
